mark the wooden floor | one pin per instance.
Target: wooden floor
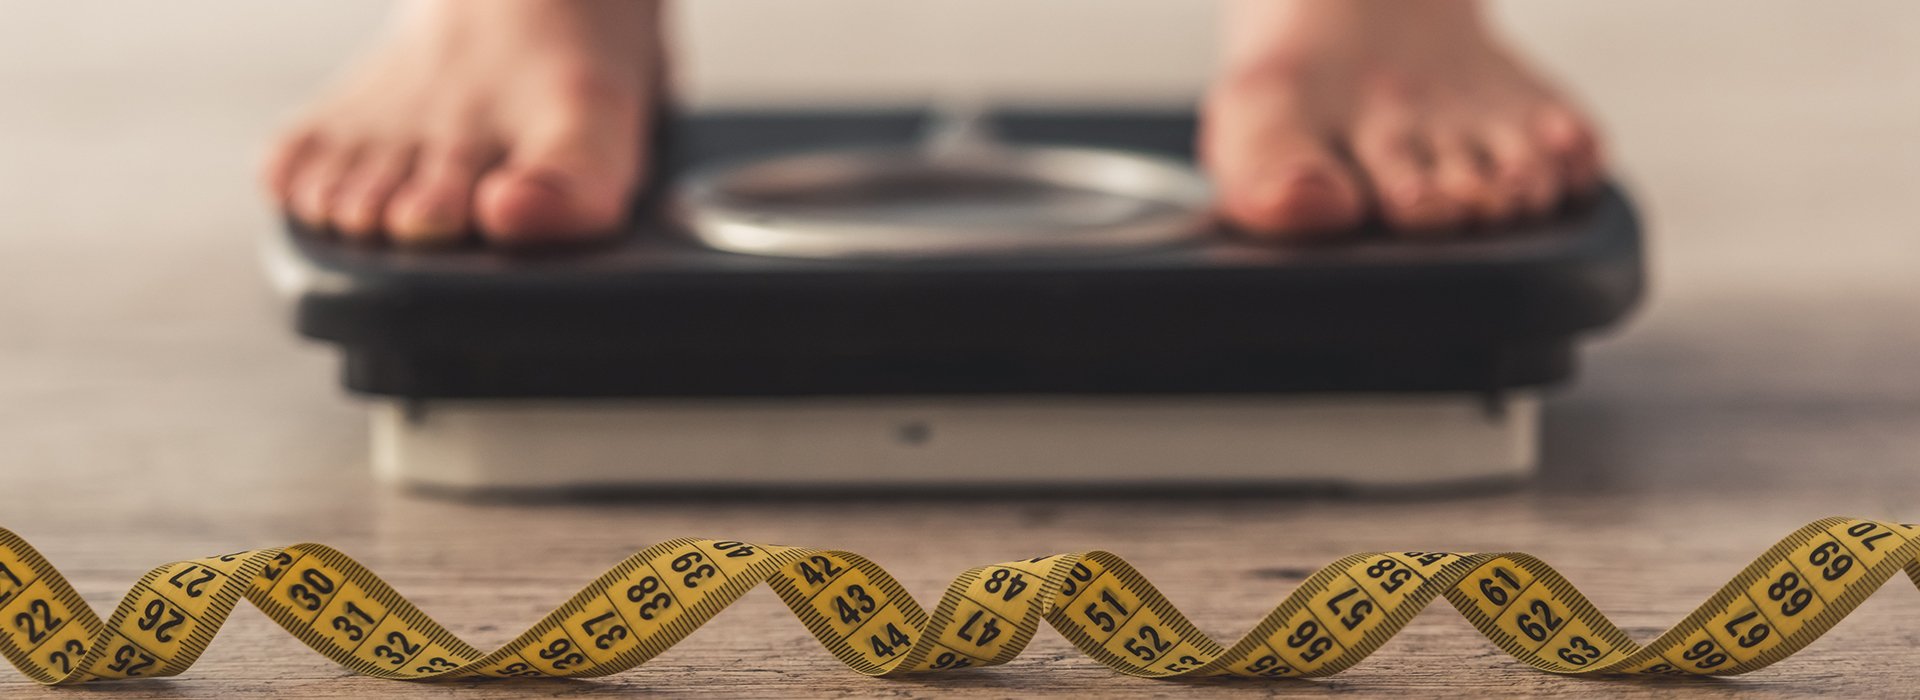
(153, 406)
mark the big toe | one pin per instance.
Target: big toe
(530, 205)
(1300, 197)
(1277, 176)
(566, 181)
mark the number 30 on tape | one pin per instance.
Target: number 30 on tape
(1782, 601)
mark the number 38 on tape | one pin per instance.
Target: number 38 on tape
(1788, 597)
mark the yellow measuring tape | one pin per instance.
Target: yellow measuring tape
(1789, 596)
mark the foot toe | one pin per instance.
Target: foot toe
(1522, 173)
(1462, 174)
(1276, 171)
(434, 206)
(1573, 145)
(360, 207)
(1313, 197)
(519, 205)
(316, 185)
(284, 161)
(566, 181)
(1414, 204)
(1405, 190)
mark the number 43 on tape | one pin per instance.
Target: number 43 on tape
(1784, 600)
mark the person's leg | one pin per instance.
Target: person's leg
(1331, 112)
(523, 120)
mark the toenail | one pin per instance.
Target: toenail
(1300, 177)
(429, 237)
(1278, 191)
(352, 223)
(311, 216)
(1564, 133)
(1414, 194)
(428, 222)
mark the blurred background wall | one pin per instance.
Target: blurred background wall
(1775, 144)
(1821, 99)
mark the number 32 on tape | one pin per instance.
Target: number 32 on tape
(1785, 599)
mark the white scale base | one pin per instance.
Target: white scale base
(1359, 442)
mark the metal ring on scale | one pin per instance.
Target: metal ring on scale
(966, 200)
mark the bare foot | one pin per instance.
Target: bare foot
(522, 120)
(1330, 112)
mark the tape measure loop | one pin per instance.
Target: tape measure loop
(1788, 596)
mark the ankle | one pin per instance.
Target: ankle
(585, 18)
(1377, 13)
(1270, 32)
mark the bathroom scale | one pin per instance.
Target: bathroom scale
(866, 300)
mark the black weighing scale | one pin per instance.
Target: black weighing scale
(809, 303)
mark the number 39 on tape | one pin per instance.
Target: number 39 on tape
(1785, 599)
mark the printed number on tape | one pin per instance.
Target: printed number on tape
(1787, 598)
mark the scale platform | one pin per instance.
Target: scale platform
(658, 362)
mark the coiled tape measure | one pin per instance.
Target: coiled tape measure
(1781, 602)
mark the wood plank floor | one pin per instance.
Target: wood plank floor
(153, 407)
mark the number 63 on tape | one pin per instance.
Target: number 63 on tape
(1784, 600)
